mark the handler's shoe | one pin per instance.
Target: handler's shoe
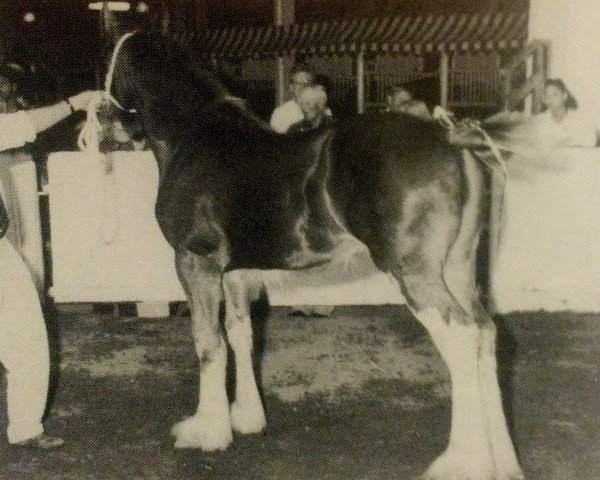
(41, 442)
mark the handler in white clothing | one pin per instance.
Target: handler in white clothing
(23, 337)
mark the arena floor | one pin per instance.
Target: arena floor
(361, 395)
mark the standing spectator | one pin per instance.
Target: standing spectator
(313, 105)
(23, 338)
(290, 112)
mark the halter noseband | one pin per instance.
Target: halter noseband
(111, 72)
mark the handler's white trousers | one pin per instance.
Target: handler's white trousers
(23, 346)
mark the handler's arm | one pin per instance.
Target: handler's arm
(17, 129)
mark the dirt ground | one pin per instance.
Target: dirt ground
(362, 395)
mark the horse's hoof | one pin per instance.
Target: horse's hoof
(450, 466)
(247, 420)
(207, 434)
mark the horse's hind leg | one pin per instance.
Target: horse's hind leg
(429, 225)
(460, 274)
(210, 427)
(241, 288)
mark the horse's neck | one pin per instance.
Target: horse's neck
(163, 152)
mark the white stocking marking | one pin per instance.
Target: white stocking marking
(210, 428)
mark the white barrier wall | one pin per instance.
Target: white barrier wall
(549, 251)
(18, 187)
(107, 246)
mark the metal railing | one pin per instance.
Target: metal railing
(523, 77)
(472, 88)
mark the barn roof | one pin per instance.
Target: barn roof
(398, 34)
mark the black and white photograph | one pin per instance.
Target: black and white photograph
(299, 240)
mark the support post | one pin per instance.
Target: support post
(284, 12)
(8, 33)
(529, 100)
(444, 79)
(360, 82)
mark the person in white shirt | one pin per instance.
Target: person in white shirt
(562, 123)
(289, 113)
(23, 338)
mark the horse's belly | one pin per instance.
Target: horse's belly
(350, 278)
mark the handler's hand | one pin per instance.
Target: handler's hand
(81, 100)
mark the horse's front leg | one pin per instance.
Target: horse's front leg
(210, 427)
(241, 288)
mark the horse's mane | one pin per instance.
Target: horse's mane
(196, 90)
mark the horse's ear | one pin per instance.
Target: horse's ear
(168, 28)
(161, 19)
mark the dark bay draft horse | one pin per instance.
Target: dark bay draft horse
(246, 209)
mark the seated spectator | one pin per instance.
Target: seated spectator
(313, 103)
(396, 96)
(562, 122)
(401, 100)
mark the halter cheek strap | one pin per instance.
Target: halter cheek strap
(111, 73)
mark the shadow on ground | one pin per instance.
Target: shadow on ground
(362, 395)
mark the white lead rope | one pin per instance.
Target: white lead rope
(89, 143)
(89, 137)
(88, 140)
(111, 72)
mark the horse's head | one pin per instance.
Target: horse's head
(152, 75)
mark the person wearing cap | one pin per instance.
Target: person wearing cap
(23, 338)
